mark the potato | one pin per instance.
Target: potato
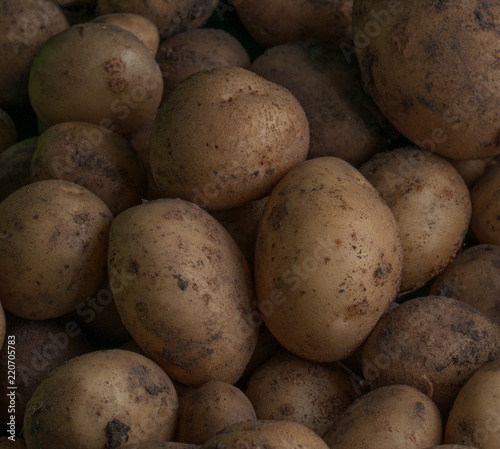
(393, 417)
(8, 131)
(184, 290)
(211, 408)
(38, 347)
(280, 22)
(171, 17)
(431, 69)
(25, 25)
(328, 260)
(102, 399)
(431, 204)
(485, 197)
(200, 49)
(98, 159)
(225, 137)
(471, 169)
(76, 78)
(343, 120)
(141, 26)
(266, 434)
(53, 248)
(289, 388)
(473, 420)
(450, 446)
(473, 277)
(433, 343)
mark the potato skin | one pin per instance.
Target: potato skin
(433, 343)
(102, 399)
(53, 248)
(184, 290)
(412, 57)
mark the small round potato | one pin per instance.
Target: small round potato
(102, 399)
(225, 137)
(393, 417)
(431, 204)
(8, 131)
(53, 248)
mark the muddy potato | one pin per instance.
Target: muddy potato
(393, 417)
(471, 170)
(98, 159)
(8, 131)
(25, 25)
(102, 399)
(211, 408)
(473, 277)
(200, 49)
(284, 21)
(344, 122)
(171, 17)
(433, 343)
(328, 260)
(266, 434)
(53, 248)
(289, 388)
(225, 137)
(431, 204)
(485, 197)
(413, 57)
(76, 78)
(184, 290)
(139, 25)
(474, 418)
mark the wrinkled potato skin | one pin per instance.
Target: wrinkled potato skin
(344, 122)
(485, 197)
(53, 250)
(266, 434)
(433, 343)
(225, 137)
(394, 417)
(473, 277)
(8, 131)
(102, 399)
(413, 57)
(328, 260)
(431, 204)
(283, 21)
(200, 49)
(184, 290)
(473, 420)
(170, 16)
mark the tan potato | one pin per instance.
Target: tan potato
(184, 290)
(289, 388)
(114, 397)
(25, 25)
(211, 408)
(431, 204)
(8, 131)
(344, 122)
(225, 137)
(471, 170)
(433, 343)
(475, 415)
(98, 159)
(485, 197)
(200, 49)
(328, 260)
(393, 417)
(74, 77)
(266, 434)
(141, 26)
(171, 17)
(53, 248)
(413, 57)
(280, 22)
(473, 277)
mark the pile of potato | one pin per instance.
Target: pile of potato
(249, 224)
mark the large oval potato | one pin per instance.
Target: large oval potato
(184, 290)
(328, 260)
